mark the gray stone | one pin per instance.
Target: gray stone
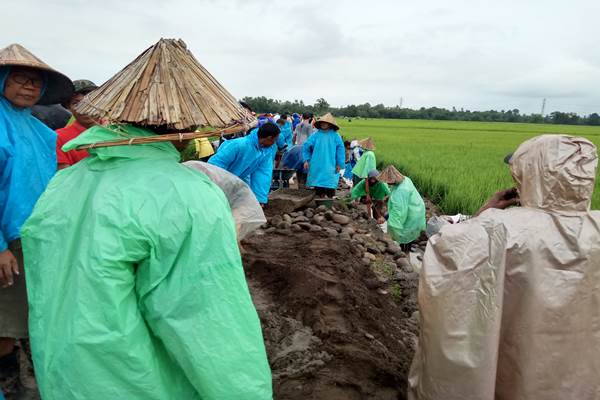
(329, 215)
(300, 218)
(370, 256)
(373, 249)
(284, 225)
(305, 225)
(393, 248)
(402, 262)
(349, 230)
(330, 231)
(345, 236)
(341, 219)
(315, 228)
(296, 228)
(369, 336)
(287, 218)
(318, 219)
(321, 209)
(270, 230)
(276, 220)
(366, 261)
(309, 214)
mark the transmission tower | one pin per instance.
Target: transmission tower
(543, 106)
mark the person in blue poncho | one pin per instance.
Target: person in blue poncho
(251, 159)
(295, 120)
(324, 157)
(27, 162)
(284, 142)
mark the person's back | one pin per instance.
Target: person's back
(509, 299)
(152, 287)
(304, 129)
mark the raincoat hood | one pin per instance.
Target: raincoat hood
(98, 133)
(555, 172)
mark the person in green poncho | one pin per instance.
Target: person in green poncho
(367, 161)
(373, 193)
(406, 209)
(135, 279)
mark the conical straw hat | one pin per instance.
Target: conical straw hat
(58, 88)
(390, 175)
(367, 144)
(165, 86)
(329, 119)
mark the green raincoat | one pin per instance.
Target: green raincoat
(135, 282)
(406, 212)
(365, 164)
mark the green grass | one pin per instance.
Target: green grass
(457, 164)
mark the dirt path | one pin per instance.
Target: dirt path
(337, 324)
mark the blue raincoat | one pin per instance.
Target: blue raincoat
(293, 159)
(324, 150)
(27, 162)
(249, 161)
(285, 136)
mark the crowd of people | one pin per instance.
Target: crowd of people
(121, 265)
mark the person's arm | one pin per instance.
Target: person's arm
(307, 149)
(340, 154)
(502, 199)
(260, 181)
(8, 263)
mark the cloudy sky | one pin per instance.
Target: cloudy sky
(463, 53)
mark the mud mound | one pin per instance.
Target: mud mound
(331, 330)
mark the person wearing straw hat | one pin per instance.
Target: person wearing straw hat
(406, 209)
(324, 157)
(137, 280)
(367, 161)
(80, 123)
(27, 162)
(374, 193)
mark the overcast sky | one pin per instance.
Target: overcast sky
(473, 54)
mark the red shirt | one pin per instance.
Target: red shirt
(65, 135)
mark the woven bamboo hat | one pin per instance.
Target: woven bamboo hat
(367, 144)
(329, 119)
(58, 87)
(165, 86)
(390, 175)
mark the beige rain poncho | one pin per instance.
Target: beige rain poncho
(510, 300)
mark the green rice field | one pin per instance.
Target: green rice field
(457, 164)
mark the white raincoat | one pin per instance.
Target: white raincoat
(510, 300)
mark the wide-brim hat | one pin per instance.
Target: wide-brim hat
(165, 86)
(390, 175)
(329, 119)
(367, 144)
(59, 87)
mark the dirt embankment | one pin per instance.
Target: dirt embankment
(336, 300)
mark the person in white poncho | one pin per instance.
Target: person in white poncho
(509, 300)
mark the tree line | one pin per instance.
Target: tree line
(263, 104)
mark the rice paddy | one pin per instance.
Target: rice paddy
(457, 164)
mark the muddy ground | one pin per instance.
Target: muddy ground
(337, 301)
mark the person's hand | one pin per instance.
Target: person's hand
(306, 165)
(8, 268)
(501, 200)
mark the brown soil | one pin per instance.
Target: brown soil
(333, 328)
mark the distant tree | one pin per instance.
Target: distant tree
(321, 106)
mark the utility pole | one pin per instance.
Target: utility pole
(401, 99)
(543, 106)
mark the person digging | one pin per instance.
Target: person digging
(374, 194)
